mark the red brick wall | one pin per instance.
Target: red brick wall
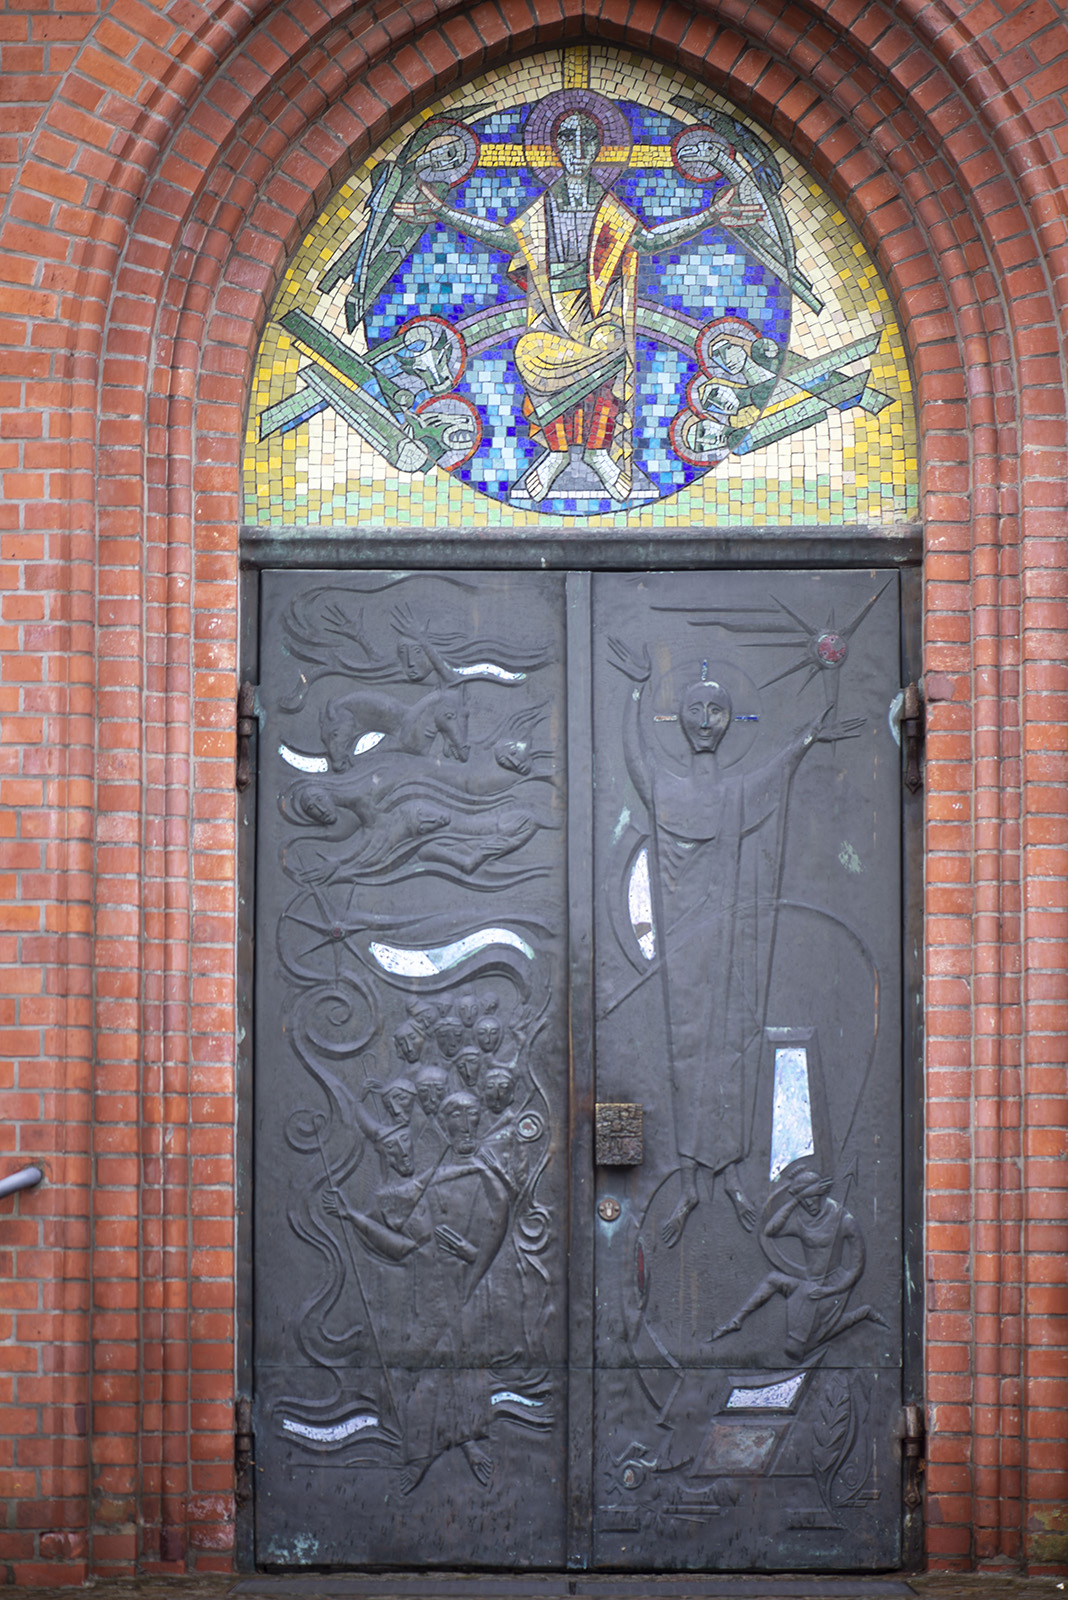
(158, 164)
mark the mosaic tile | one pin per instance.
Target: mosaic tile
(583, 291)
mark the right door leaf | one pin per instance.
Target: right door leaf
(747, 864)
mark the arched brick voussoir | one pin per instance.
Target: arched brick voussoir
(277, 84)
(886, 155)
(445, 51)
(915, 108)
(300, 54)
(289, 144)
(367, 108)
(161, 158)
(120, 96)
(270, 174)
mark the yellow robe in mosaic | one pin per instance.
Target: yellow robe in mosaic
(581, 323)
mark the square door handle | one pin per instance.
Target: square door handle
(618, 1136)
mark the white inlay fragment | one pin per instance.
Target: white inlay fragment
(333, 1434)
(489, 669)
(303, 763)
(770, 1397)
(425, 963)
(791, 1110)
(640, 905)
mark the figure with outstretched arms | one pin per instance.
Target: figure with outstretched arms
(717, 845)
(575, 252)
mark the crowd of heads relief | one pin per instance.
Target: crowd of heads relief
(584, 290)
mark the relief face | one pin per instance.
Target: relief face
(578, 290)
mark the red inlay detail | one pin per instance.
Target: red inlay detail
(831, 649)
(602, 249)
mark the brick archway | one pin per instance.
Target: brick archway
(168, 179)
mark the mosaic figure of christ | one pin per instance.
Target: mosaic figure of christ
(575, 254)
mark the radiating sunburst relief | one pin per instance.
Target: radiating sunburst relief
(582, 291)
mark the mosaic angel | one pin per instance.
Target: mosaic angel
(575, 254)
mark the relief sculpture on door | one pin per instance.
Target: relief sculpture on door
(420, 831)
(734, 929)
(734, 757)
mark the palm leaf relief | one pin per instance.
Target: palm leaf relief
(833, 1436)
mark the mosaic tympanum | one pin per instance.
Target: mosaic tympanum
(585, 290)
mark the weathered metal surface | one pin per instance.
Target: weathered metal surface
(912, 731)
(411, 1091)
(914, 1437)
(246, 727)
(618, 1134)
(244, 1445)
(369, 546)
(730, 863)
(912, 1097)
(747, 897)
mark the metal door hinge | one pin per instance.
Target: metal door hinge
(913, 729)
(914, 1441)
(246, 727)
(243, 1450)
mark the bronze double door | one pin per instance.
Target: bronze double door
(577, 1177)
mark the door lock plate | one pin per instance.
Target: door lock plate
(618, 1139)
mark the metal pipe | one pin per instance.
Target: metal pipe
(28, 1178)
